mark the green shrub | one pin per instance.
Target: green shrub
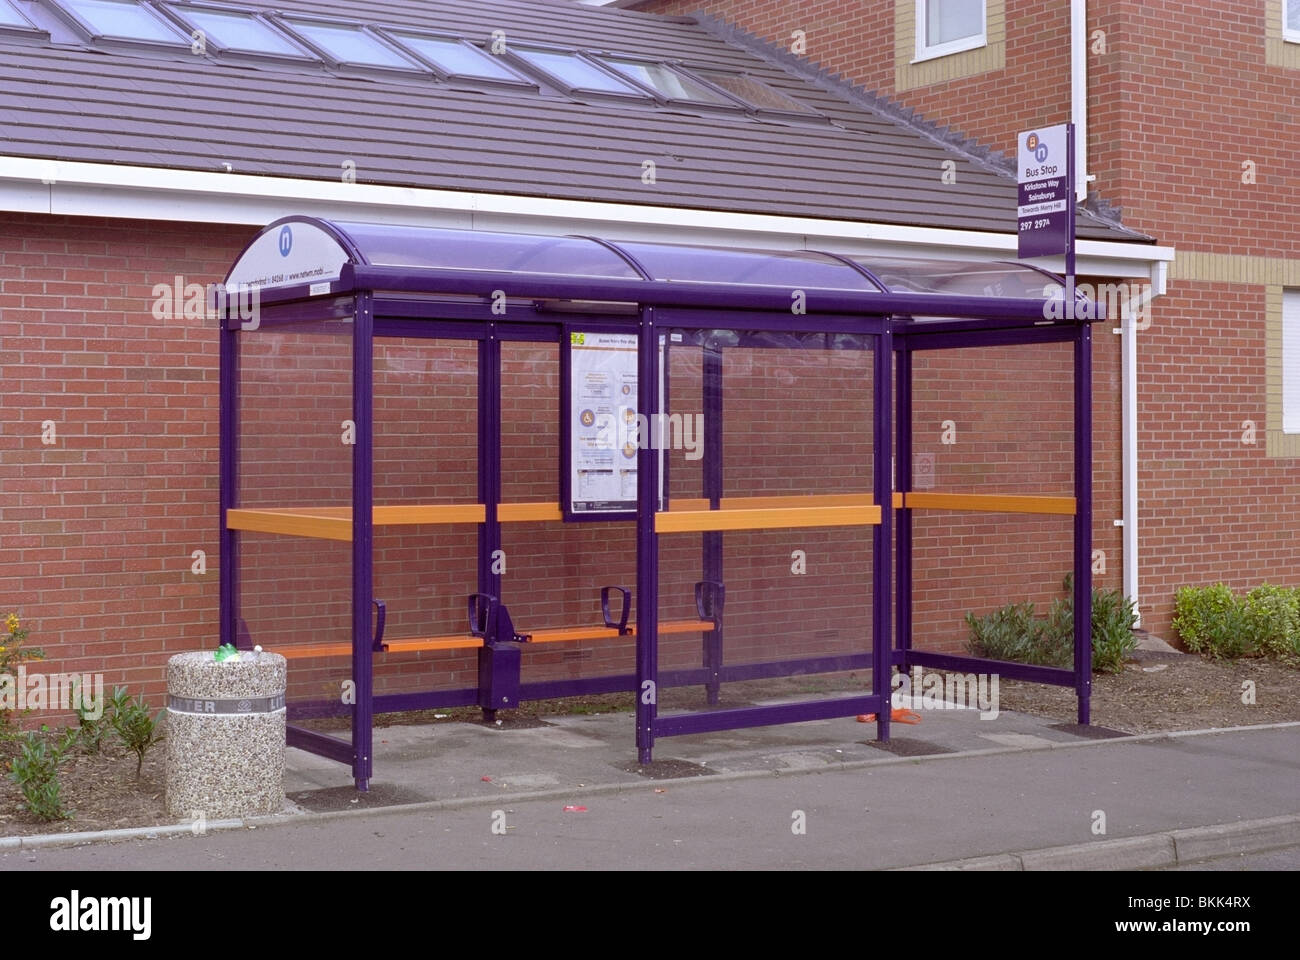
(1273, 618)
(1113, 618)
(1014, 633)
(1216, 623)
(1009, 633)
(1210, 621)
(138, 730)
(91, 730)
(13, 653)
(36, 771)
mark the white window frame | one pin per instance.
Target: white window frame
(1291, 360)
(980, 39)
(1289, 34)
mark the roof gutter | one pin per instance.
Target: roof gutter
(192, 196)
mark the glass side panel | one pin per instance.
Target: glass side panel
(348, 44)
(398, 246)
(773, 268)
(668, 82)
(901, 275)
(575, 72)
(123, 18)
(240, 31)
(457, 58)
(754, 92)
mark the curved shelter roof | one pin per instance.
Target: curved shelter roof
(306, 251)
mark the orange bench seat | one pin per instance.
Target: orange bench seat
(303, 651)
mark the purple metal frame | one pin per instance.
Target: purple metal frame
(444, 306)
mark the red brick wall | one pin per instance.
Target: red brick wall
(97, 529)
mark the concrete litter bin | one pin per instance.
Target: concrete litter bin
(225, 735)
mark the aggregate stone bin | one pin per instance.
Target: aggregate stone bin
(225, 735)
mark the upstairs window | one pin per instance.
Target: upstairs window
(1291, 361)
(351, 45)
(122, 20)
(571, 73)
(239, 31)
(453, 57)
(1291, 21)
(949, 26)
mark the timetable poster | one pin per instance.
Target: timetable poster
(603, 425)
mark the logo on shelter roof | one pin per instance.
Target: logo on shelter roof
(286, 240)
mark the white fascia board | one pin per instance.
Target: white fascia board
(190, 196)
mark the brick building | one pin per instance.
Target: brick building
(1190, 111)
(145, 143)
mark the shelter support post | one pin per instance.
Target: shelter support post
(229, 481)
(881, 543)
(363, 348)
(1083, 520)
(647, 543)
(498, 663)
(712, 539)
(903, 514)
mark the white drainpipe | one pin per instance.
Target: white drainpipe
(1135, 315)
(1079, 95)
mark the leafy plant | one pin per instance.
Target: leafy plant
(13, 652)
(1113, 618)
(1273, 619)
(91, 730)
(1014, 632)
(1216, 623)
(137, 729)
(36, 771)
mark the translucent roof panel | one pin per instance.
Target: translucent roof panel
(795, 269)
(574, 73)
(457, 58)
(397, 246)
(124, 19)
(667, 82)
(755, 93)
(345, 43)
(958, 277)
(238, 30)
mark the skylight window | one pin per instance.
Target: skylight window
(122, 20)
(239, 30)
(456, 58)
(10, 17)
(754, 92)
(667, 82)
(574, 73)
(350, 44)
